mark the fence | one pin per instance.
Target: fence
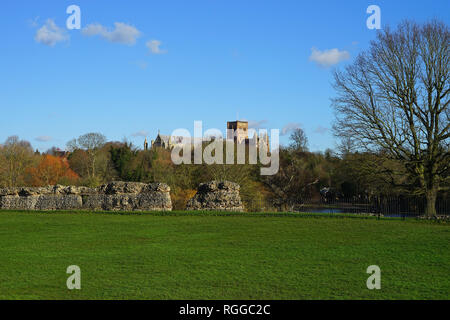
(378, 206)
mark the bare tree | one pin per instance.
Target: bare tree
(91, 143)
(299, 141)
(395, 98)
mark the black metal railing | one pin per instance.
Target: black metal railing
(388, 206)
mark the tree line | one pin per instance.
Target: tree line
(303, 175)
(392, 124)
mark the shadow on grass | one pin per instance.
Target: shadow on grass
(231, 214)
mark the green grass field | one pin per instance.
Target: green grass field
(189, 256)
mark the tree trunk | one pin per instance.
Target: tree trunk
(431, 196)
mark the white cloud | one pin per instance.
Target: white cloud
(122, 32)
(328, 58)
(291, 126)
(50, 34)
(141, 64)
(141, 133)
(33, 22)
(43, 138)
(153, 46)
(257, 124)
(321, 130)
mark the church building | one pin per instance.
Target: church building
(239, 134)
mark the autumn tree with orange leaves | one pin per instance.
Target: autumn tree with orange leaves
(52, 170)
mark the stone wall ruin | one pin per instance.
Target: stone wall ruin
(217, 195)
(114, 196)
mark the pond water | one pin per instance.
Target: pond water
(349, 210)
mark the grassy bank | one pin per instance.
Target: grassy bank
(234, 256)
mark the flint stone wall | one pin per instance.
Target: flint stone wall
(217, 195)
(114, 196)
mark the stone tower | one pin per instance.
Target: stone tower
(145, 144)
(240, 130)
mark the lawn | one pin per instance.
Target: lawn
(189, 256)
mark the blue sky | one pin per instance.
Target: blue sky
(139, 66)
